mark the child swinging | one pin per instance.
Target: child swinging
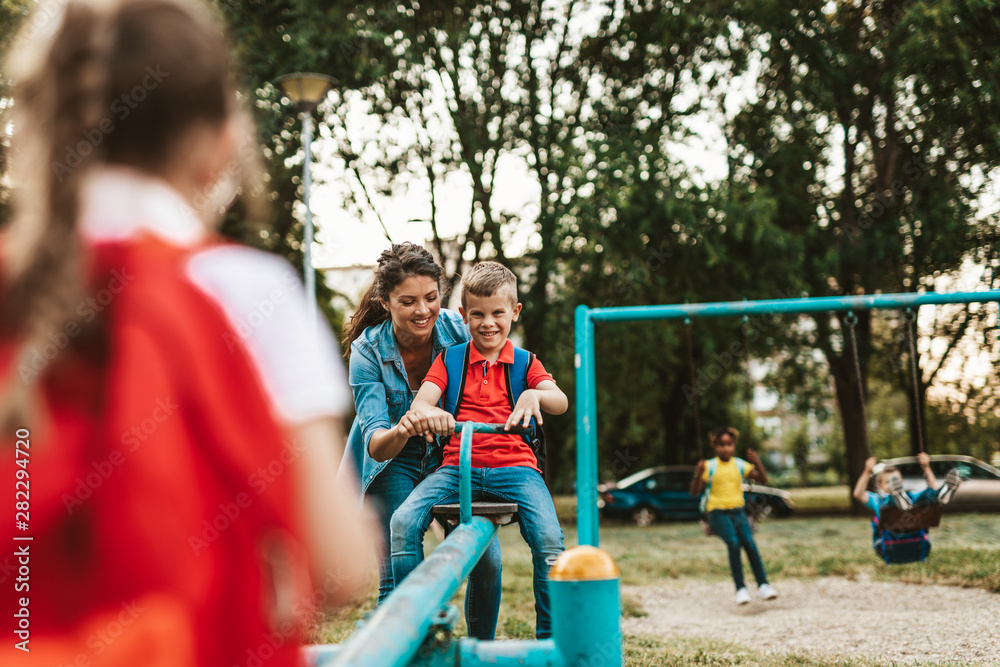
(903, 538)
(895, 546)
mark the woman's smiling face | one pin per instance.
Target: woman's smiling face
(414, 306)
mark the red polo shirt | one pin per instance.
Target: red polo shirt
(485, 400)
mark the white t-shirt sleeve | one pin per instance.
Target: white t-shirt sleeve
(261, 295)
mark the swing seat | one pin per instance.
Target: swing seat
(500, 514)
(919, 517)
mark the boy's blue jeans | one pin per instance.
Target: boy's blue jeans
(733, 528)
(388, 491)
(516, 484)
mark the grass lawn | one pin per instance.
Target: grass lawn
(822, 499)
(966, 552)
(812, 500)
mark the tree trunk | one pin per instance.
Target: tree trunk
(917, 412)
(672, 408)
(849, 400)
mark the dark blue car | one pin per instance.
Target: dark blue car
(663, 494)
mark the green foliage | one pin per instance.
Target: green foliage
(859, 138)
(12, 14)
(617, 219)
(270, 39)
(595, 112)
(870, 143)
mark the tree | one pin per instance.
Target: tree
(531, 83)
(874, 129)
(270, 39)
(12, 14)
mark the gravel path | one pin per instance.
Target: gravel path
(879, 621)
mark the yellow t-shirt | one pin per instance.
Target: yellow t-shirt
(727, 485)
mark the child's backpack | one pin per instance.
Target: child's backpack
(456, 362)
(899, 548)
(711, 465)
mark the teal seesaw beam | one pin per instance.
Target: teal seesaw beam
(583, 588)
(400, 625)
(586, 383)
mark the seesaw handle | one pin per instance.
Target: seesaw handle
(465, 461)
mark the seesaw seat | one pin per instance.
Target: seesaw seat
(500, 514)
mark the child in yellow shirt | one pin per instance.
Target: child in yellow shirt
(720, 481)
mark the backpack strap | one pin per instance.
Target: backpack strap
(711, 465)
(516, 377)
(456, 363)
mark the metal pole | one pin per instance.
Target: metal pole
(465, 474)
(790, 306)
(307, 266)
(586, 430)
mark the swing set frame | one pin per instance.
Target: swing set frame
(586, 384)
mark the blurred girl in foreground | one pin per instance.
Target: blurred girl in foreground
(168, 408)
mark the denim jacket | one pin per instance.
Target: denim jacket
(381, 390)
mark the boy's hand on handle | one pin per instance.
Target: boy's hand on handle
(441, 422)
(527, 407)
(870, 464)
(924, 460)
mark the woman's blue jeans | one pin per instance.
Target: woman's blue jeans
(733, 528)
(386, 493)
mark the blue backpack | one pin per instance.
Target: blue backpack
(456, 362)
(898, 548)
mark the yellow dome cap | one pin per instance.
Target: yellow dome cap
(584, 563)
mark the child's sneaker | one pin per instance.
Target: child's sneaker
(951, 482)
(903, 501)
(766, 592)
(743, 596)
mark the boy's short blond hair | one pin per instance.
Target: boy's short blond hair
(489, 278)
(885, 472)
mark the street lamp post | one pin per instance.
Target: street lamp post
(306, 90)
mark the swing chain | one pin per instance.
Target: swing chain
(911, 318)
(748, 379)
(850, 321)
(694, 384)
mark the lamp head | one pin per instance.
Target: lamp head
(305, 89)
